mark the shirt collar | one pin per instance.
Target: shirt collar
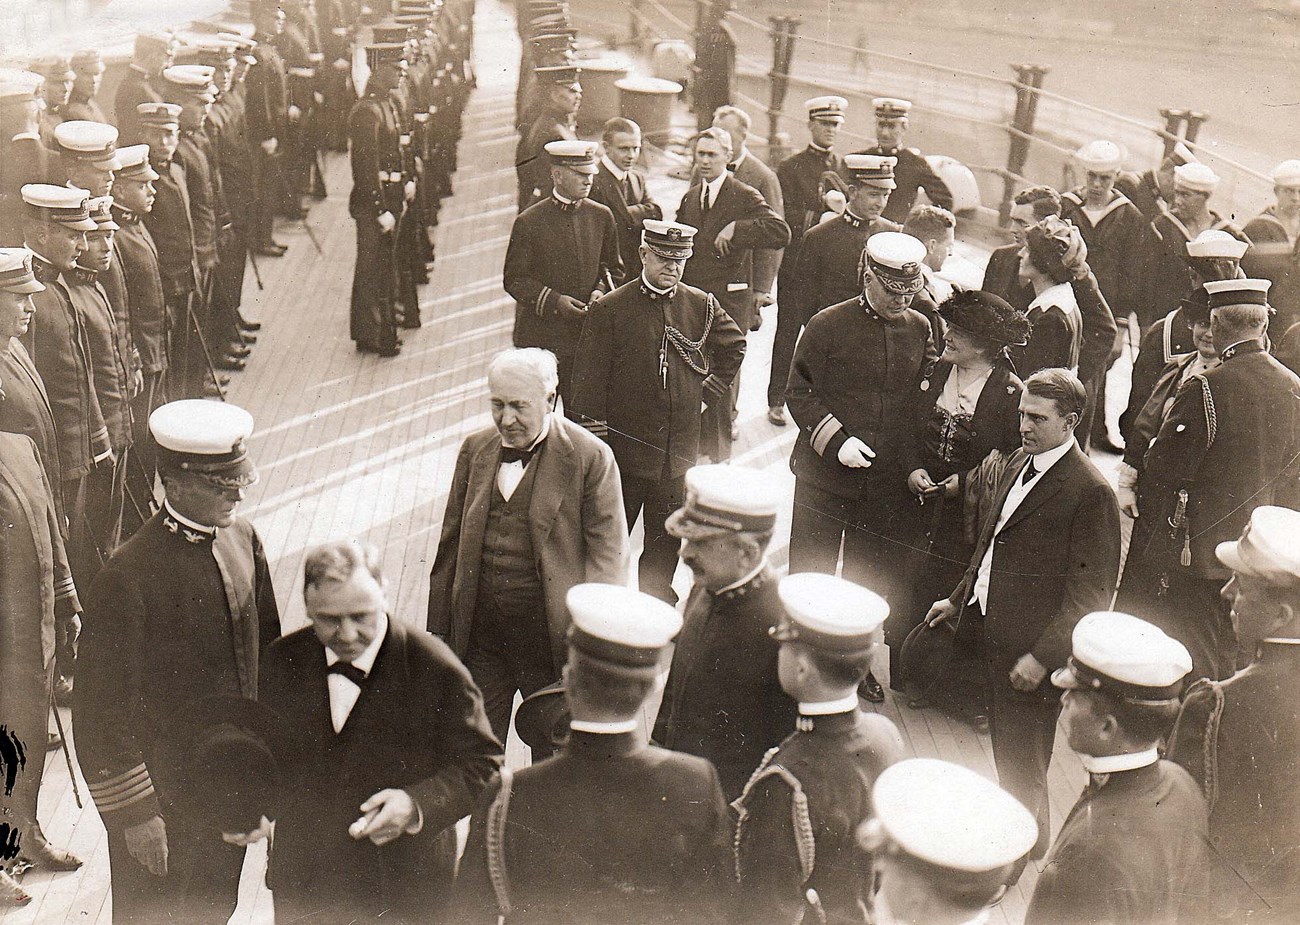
(186, 522)
(818, 148)
(655, 289)
(608, 729)
(714, 187)
(1049, 458)
(830, 707)
(366, 660)
(740, 583)
(734, 165)
(1058, 294)
(619, 175)
(1249, 345)
(546, 429)
(1113, 764)
(563, 200)
(25, 136)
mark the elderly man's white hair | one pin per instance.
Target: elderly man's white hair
(534, 361)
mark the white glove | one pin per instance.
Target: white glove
(835, 201)
(1128, 501)
(855, 454)
(270, 145)
(386, 221)
(294, 113)
(409, 190)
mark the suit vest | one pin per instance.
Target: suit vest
(509, 562)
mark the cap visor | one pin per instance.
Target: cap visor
(1066, 679)
(1229, 554)
(667, 254)
(881, 184)
(902, 287)
(683, 527)
(27, 288)
(85, 224)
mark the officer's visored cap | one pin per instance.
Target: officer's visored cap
(159, 114)
(895, 259)
(1269, 547)
(190, 81)
(1224, 292)
(63, 204)
(872, 170)
(1214, 242)
(827, 108)
(206, 438)
(88, 141)
(16, 274)
(1129, 658)
(890, 108)
(563, 75)
(951, 817)
(625, 631)
(579, 156)
(390, 32)
(384, 53)
(668, 239)
(725, 499)
(19, 86)
(134, 161)
(1287, 174)
(829, 613)
(101, 213)
(1196, 177)
(1100, 156)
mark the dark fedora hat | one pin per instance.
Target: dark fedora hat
(986, 315)
(542, 720)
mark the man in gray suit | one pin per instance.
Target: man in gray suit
(536, 507)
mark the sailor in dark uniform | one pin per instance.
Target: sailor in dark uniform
(913, 172)
(796, 839)
(653, 352)
(180, 613)
(88, 66)
(1152, 191)
(555, 122)
(1133, 850)
(805, 179)
(610, 829)
(23, 158)
(153, 53)
(723, 700)
(1275, 247)
(945, 839)
(268, 124)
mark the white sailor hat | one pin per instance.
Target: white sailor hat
(668, 239)
(1268, 546)
(101, 213)
(889, 108)
(134, 161)
(1100, 156)
(88, 141)
(950, 817)
(1225, 292)
(624, 630)
(1126, 657)
(895, 259)
(63, 204)
(1196, 177)
(205, 49)
(16, 273)
(579, 156)
(829, 613)
(826, 108)
(1287, 174)
(1217, 243)
(206, 438)
(724, 499)
(192, 79)
(19, 86)
(1182, 154)
(156, 112)
(872, 170)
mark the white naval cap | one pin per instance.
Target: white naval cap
(88, 141)
(621, 628)
(1196, 177)
(158, 113)
(16, 274)
(669, 239)
(206, 437)
(895, 259)
(725, 499)
(1100, 156)
(872, 169)
(101, 213)
(829, 613)
(63, 204)
(1268, 547)
(18, 85)
(579, 156)
(951, 817)
(135, 164)
(826, 108)
(1215, 242)
(1225, 292)
(194, 79)
(889, 107)
(1287, 174)
(1129, 658)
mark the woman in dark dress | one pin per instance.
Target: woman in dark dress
(967, 405)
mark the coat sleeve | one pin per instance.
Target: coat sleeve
(644, 208)
(268, 611)
(726, 349)
(1176, 452)
(1146, 372)
(1098, 335)
(442, 578)
(759, 225)
(826, 433)
(474, 900)
(935, 189)
(767, 855)
(519, 273)
(456, 729)
(612, 264)
(604, 522)
(1085, 884)
(1094, 548)
(363, 131)
(592, 369)
(1188, 744)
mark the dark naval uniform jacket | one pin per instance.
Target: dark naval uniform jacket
(802, 187)
(827, 267)
(532, 164)
(1230, 442)
(172, 228)
(1169, 278)
(144, 289)
(1117, 247)
(609, 830)
(912, 172)
(135, 88)
(631, 205)
(1239, 739)
(799, 815)
(1143, 191)
(176, 615)
(25, 409)
(558, 248)
(645, 364)
(1131, 852)
(854, 375)
(1274, 256)
(110, 354)
(723, 700)
(419, 726)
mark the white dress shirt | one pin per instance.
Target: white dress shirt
(1019, 491)
(712, 188)
(343, 691)
(509, 475)
(619, 175)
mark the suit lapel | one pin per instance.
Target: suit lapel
(1009, 476)
(368, 712)
(553, 464)
(1048, 485)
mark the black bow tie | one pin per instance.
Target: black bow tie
(349, 671)
(511, 455)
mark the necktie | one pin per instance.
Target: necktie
(511, 455)
(1029, 472)
(704, 201)
(627, 188)
(349, 671)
